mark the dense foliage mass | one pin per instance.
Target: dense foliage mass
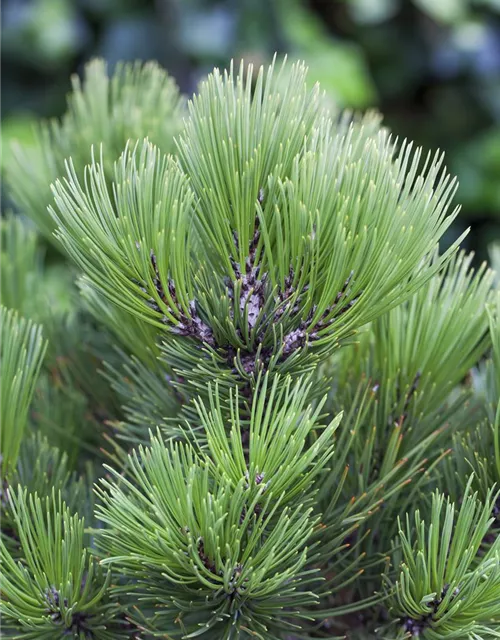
(252, 398)
(431, 67)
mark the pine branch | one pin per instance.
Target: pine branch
(281, 271)
(21, 264)
(42, 468)
(267, 180)
(282, 447)
(411, 354)
(443, 590)
(58, 589)
(477, 452)
(68, 407)
(22, 351)
(136, 102)
(392, 386)
(233, 524)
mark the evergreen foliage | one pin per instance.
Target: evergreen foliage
(137, 101)
(444, 589)
(269, 406)
(22, 350)
(58, 589)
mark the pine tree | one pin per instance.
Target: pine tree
(252, 397)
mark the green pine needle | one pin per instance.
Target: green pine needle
(22, 352)
(58, 589)
(270, 301)
(211, 560)
(135, 102)
(442, 589)
(311, 226)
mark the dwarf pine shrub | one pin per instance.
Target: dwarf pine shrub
(254, 397)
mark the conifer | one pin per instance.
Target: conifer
(255, 396)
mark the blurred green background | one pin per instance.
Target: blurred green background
(431, 66)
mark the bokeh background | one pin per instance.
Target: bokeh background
(431, 66)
